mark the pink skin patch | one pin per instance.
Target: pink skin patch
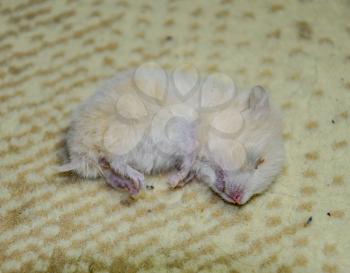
(116, 181)
(232, 195)
(120, 182)
(220, 180)
(236, 194)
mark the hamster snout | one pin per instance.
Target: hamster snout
(229, 190)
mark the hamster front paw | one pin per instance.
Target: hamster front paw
(179, 179)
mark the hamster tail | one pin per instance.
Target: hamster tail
(82, 167)
(67, 167)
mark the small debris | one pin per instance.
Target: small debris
(149, 210)
(126, 202)
(149, 187)
(308, 222)
(168, 38)
(329, 214)
(333, 121)
(304, 30)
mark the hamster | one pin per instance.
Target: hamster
(147, 120)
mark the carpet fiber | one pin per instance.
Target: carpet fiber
(53, 54)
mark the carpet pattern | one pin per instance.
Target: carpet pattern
(53, 55)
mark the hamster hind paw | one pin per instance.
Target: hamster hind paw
(125, 178)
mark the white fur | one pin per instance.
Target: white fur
(98, 130)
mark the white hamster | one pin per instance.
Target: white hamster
(148, 120)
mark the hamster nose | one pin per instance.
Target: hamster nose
(236, 195)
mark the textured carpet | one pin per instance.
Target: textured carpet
(53, 54)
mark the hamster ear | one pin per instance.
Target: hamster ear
(258, 99)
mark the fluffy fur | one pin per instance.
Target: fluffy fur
(121, 134)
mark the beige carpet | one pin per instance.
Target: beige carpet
(53, 54)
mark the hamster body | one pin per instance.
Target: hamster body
(141, 122)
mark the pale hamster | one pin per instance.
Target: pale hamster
(147, 120)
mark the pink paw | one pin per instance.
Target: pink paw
(132, 180)
(137, 178)
(174, 180)
(180, 179)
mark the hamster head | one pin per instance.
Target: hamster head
(261, 153)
